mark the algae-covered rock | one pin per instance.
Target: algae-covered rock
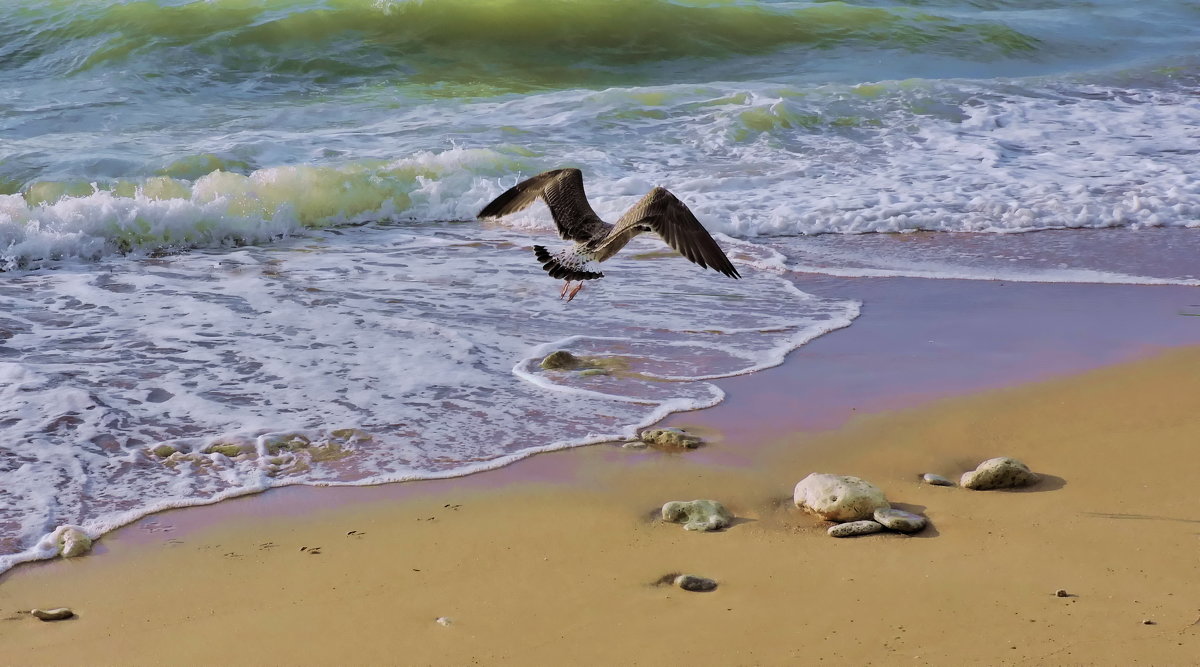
(838, 497)
(671, 437)
(163, 451)
(285, 442)
(702, 515)
(999, 473)
(230, 449)
(350, 435)
(561, 360)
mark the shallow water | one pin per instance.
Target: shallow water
(239, 228)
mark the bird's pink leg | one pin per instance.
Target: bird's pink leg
(562, 293)
(575, 291)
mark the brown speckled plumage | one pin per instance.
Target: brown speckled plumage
(595, 240)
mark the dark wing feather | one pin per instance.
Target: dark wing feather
(662, 213)
(562, 190)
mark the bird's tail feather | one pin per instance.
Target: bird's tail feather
(557, 267)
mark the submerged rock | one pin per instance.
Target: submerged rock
(702, 515)
(900, 521)
(561, 360)
(163, 451)
(67, 541)
(52, 614)
(999, 473)
(691, 582)
(838, 497)
(276, 443)
(671, 437)
(854, 528)
(936, 480)
(635, 444)
(229, 449)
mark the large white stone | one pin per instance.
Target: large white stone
(999, 473)
(839, 497)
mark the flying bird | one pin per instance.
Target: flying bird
(596, 240)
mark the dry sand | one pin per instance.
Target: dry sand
(562, 573)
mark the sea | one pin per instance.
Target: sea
(239, 246)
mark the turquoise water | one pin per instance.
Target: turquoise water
(226, 223)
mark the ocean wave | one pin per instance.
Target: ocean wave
(510, 43)
(53, 221)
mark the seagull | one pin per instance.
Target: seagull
(596, 240)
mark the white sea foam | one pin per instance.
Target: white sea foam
(750, 160)
(354, 357)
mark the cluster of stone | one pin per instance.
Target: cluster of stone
(858, 506)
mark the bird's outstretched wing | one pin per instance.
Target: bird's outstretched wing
(662, 213)
(562, 190)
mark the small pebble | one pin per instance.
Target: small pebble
(936, 480)
(1147, 622)
(899, 520)
(443, 620)
(1062, 593)
(53, 614)
(690, 582)
(853, 528)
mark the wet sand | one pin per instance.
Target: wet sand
(553, 561)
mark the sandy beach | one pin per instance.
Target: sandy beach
(556, 560)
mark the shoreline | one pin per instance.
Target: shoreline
(993, 334)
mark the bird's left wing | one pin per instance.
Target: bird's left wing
(662, 213)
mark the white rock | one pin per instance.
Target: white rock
(999, 473)
(59, 614)
(855, 528)
(900, 521)
(701, 515)
(67, 541)
(838, 497)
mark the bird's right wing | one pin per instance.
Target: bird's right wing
(562, 190)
